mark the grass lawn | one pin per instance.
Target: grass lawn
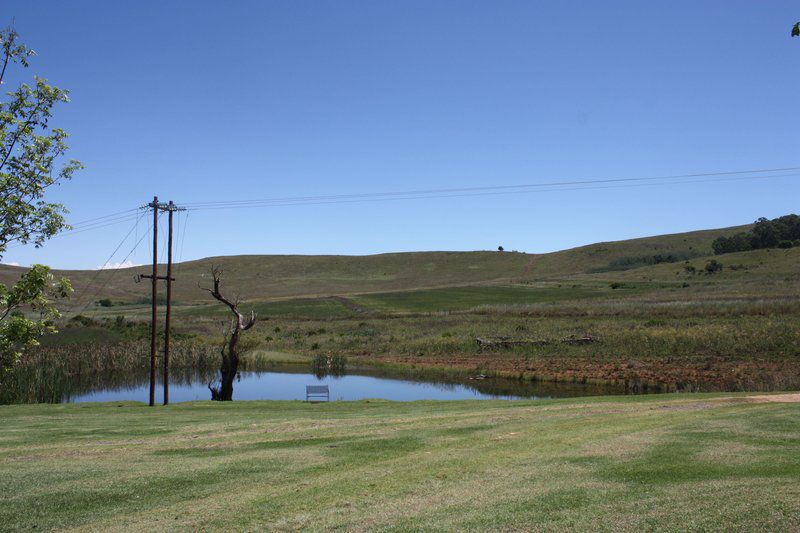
(671, 462)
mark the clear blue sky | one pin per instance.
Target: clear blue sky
(198, 101)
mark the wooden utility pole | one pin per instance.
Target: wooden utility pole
(171, 210)
(154, 277)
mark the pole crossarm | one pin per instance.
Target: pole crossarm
(162, 206)
(140, 277)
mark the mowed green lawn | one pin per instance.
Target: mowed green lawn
(670, 462)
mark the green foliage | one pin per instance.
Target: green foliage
(105, 302)
(334, 365)
(33, 292)
(627, 263)
(83, 320)
(713, 266)
(30, 155)
(30, 152)
(796, 29)
(780, 232)
(739, 242)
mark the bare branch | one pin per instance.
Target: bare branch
(5, 64)
(229, 351)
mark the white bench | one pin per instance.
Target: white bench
(317, 392)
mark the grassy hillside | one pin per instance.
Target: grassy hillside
(665, 462)
(780, 265)
(279, 276)
(261, 277)
(623, 255)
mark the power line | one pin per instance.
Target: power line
(182, 230)
(104, 222)
(83, 222)
(183, 237)
(98, 225)
(585, 185)
(120, 217)
(110, 257)
(113, 270)
(479, 191)
(82, 229)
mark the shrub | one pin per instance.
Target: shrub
(713, 266)
(335, 365)
(83, 320)
(779, 232)
(627, 263)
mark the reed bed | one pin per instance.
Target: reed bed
(51, 374)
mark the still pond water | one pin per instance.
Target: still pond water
(289, 384)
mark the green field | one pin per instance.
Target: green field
(459, 298)
(666, 462)
(669, 325)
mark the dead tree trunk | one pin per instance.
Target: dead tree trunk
(223, 391)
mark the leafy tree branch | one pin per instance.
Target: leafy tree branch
(33, 294)
(31, 154)
(31, 161)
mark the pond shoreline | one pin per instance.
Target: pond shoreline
(288, 382)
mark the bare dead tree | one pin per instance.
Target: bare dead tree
(230, 345)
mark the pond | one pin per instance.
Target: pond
(288, 383)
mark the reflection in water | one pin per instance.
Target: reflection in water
(222, 390)
(288, 383)
(329, 365)
(51, 384)
(88, 384)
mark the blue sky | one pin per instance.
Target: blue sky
(203, 101)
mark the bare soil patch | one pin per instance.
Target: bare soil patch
(793, 397)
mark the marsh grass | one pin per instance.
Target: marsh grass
(701, 345)
(51, 373)
(333, 365)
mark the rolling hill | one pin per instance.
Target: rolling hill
(261, 277)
